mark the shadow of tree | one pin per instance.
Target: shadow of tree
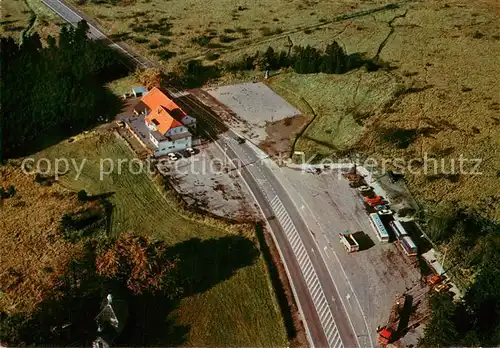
(204, 263)
(69, 319)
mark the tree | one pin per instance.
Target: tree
(82, 195)
(138, 263)
(151, 77)
(441, 330)
(51, 92)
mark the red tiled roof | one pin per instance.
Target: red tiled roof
(164, 111)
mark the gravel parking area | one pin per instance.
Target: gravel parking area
(205, 180)
(256, 105)
(376, 274)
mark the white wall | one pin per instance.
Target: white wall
(176, 130)
(166, 146)
(188, 120)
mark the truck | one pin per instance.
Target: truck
(348, 241)
(355, 180)
(388, 333)
(374, 201)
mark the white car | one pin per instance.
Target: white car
(190, 150)
(172, 156)
(364, 188)
(385, 212)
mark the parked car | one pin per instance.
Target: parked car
(190, 150)
(313, 170)
(240, 140)
(364, 188)
(441, 287)
(435, 279)
(120, 123)
(381, 207)
(385, 212)
(173, 156)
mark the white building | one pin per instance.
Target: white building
(167, 123)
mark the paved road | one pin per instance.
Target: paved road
(321, 307)
(73, 16)
(326, 321)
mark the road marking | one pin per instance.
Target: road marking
(305, 264)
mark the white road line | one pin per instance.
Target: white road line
(309, 273)
(337, 341)
(328, 321)
(300, 255)
(310, 276)
(323, 312)
(296, 244)
(318, 296)
(332, 331)
(323, 306)
(288, 225)
(348, 282)
(293, 240)
(316, 293)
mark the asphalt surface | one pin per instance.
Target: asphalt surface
(320, 305)
(325, 318)
(73, 16)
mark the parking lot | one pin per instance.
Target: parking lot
(206, 180)
(376, 274)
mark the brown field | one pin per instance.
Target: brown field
(230, 28)
(34, 254)
(443, 55)
(30, 15)
(239, 311)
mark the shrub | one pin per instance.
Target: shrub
(406, 211)
(12, 191)
(165, 54)
(202, 40)
(141, 40)
(82, 195)
(226, 39)
(212, 56)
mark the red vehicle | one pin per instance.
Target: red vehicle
(374, 201)
(387, 334)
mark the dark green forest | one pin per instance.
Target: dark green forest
(305, 60)
(53, 91)
(472, 247)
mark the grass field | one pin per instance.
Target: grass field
(34, 254)
(193, 29)
(443, 54)
(29, 15)
(336, 100)
(239, 311)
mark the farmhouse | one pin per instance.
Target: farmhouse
(168, 125)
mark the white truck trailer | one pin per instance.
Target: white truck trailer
(348, 241)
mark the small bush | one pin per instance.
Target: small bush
(406, 211)
(266, 31)
(229, 30)
(82, 195)
(212, 56)
(202, 40)
(478, 35)
(226, 39)
(165, 54)
(141, 40)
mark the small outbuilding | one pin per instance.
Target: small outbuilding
(139, 91)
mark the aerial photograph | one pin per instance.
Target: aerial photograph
(250, 173)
